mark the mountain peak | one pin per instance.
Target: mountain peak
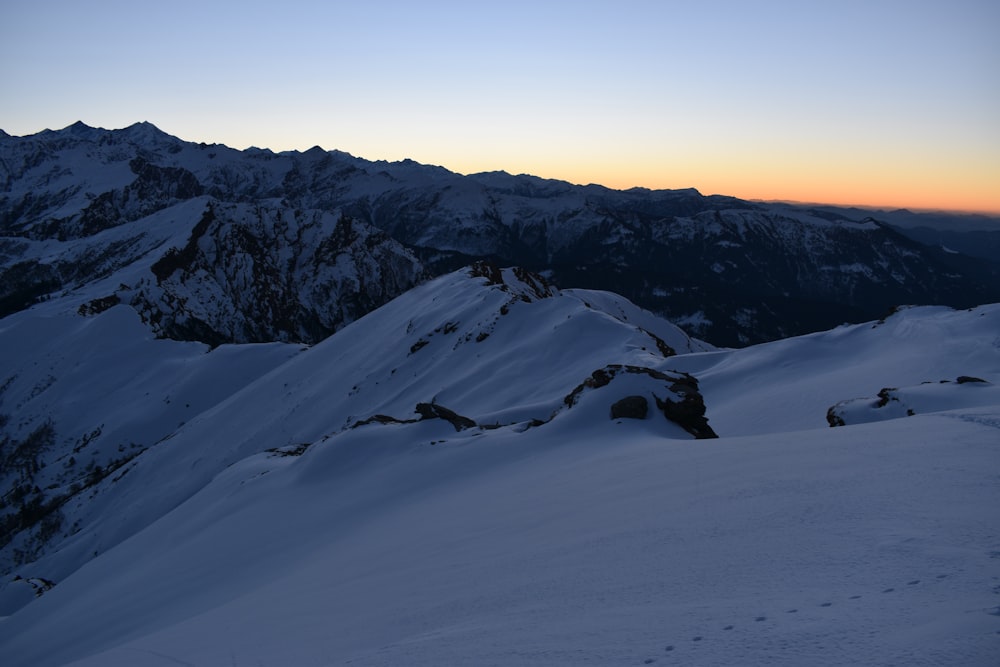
(144, 130)
(81, 130)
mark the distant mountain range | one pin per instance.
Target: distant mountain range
(213, 244)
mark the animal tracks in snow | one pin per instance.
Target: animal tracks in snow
(732, 628)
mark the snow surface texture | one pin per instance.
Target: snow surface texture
(281, 525)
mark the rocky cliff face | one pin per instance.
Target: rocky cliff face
(731, 271)
(252, 273)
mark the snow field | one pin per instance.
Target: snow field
(269, 529)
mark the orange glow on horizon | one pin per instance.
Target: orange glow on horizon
(864, 190)
(889, 179)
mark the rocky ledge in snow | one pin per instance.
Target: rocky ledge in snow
(928, 397)
(682, 403)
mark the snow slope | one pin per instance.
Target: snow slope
(790, 384)
(595, 545)
(281, 525)
(117, 399)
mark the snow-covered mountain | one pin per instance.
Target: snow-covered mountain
(84, 396)
(80, 203)
(491, 470)
(241, 423)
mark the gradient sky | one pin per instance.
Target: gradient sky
(876, 102)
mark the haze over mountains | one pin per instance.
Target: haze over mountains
(274, 409)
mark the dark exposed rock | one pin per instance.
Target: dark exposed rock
(174, 259)
(963, 379)
(435, 411)
(526, 285)
(25, 283)
(253, 273)
(98, 306)
(661, 345)
(834, 419)
(689, 412)
(382, 419)
(603, 376)
(290, 450)
(425, 411)
(487, 269)
(630, 407)
(884, 396)
(536, 284)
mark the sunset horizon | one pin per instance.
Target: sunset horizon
(923, 203)
(523, 334)
(888, 105)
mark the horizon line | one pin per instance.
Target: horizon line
(884, 208)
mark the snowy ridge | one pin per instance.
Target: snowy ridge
(470, 341)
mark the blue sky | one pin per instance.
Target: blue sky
(881, 102)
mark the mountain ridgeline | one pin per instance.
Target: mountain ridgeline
(225, 246)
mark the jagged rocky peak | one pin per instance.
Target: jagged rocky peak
(525, 285)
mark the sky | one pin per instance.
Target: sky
(890, 103)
